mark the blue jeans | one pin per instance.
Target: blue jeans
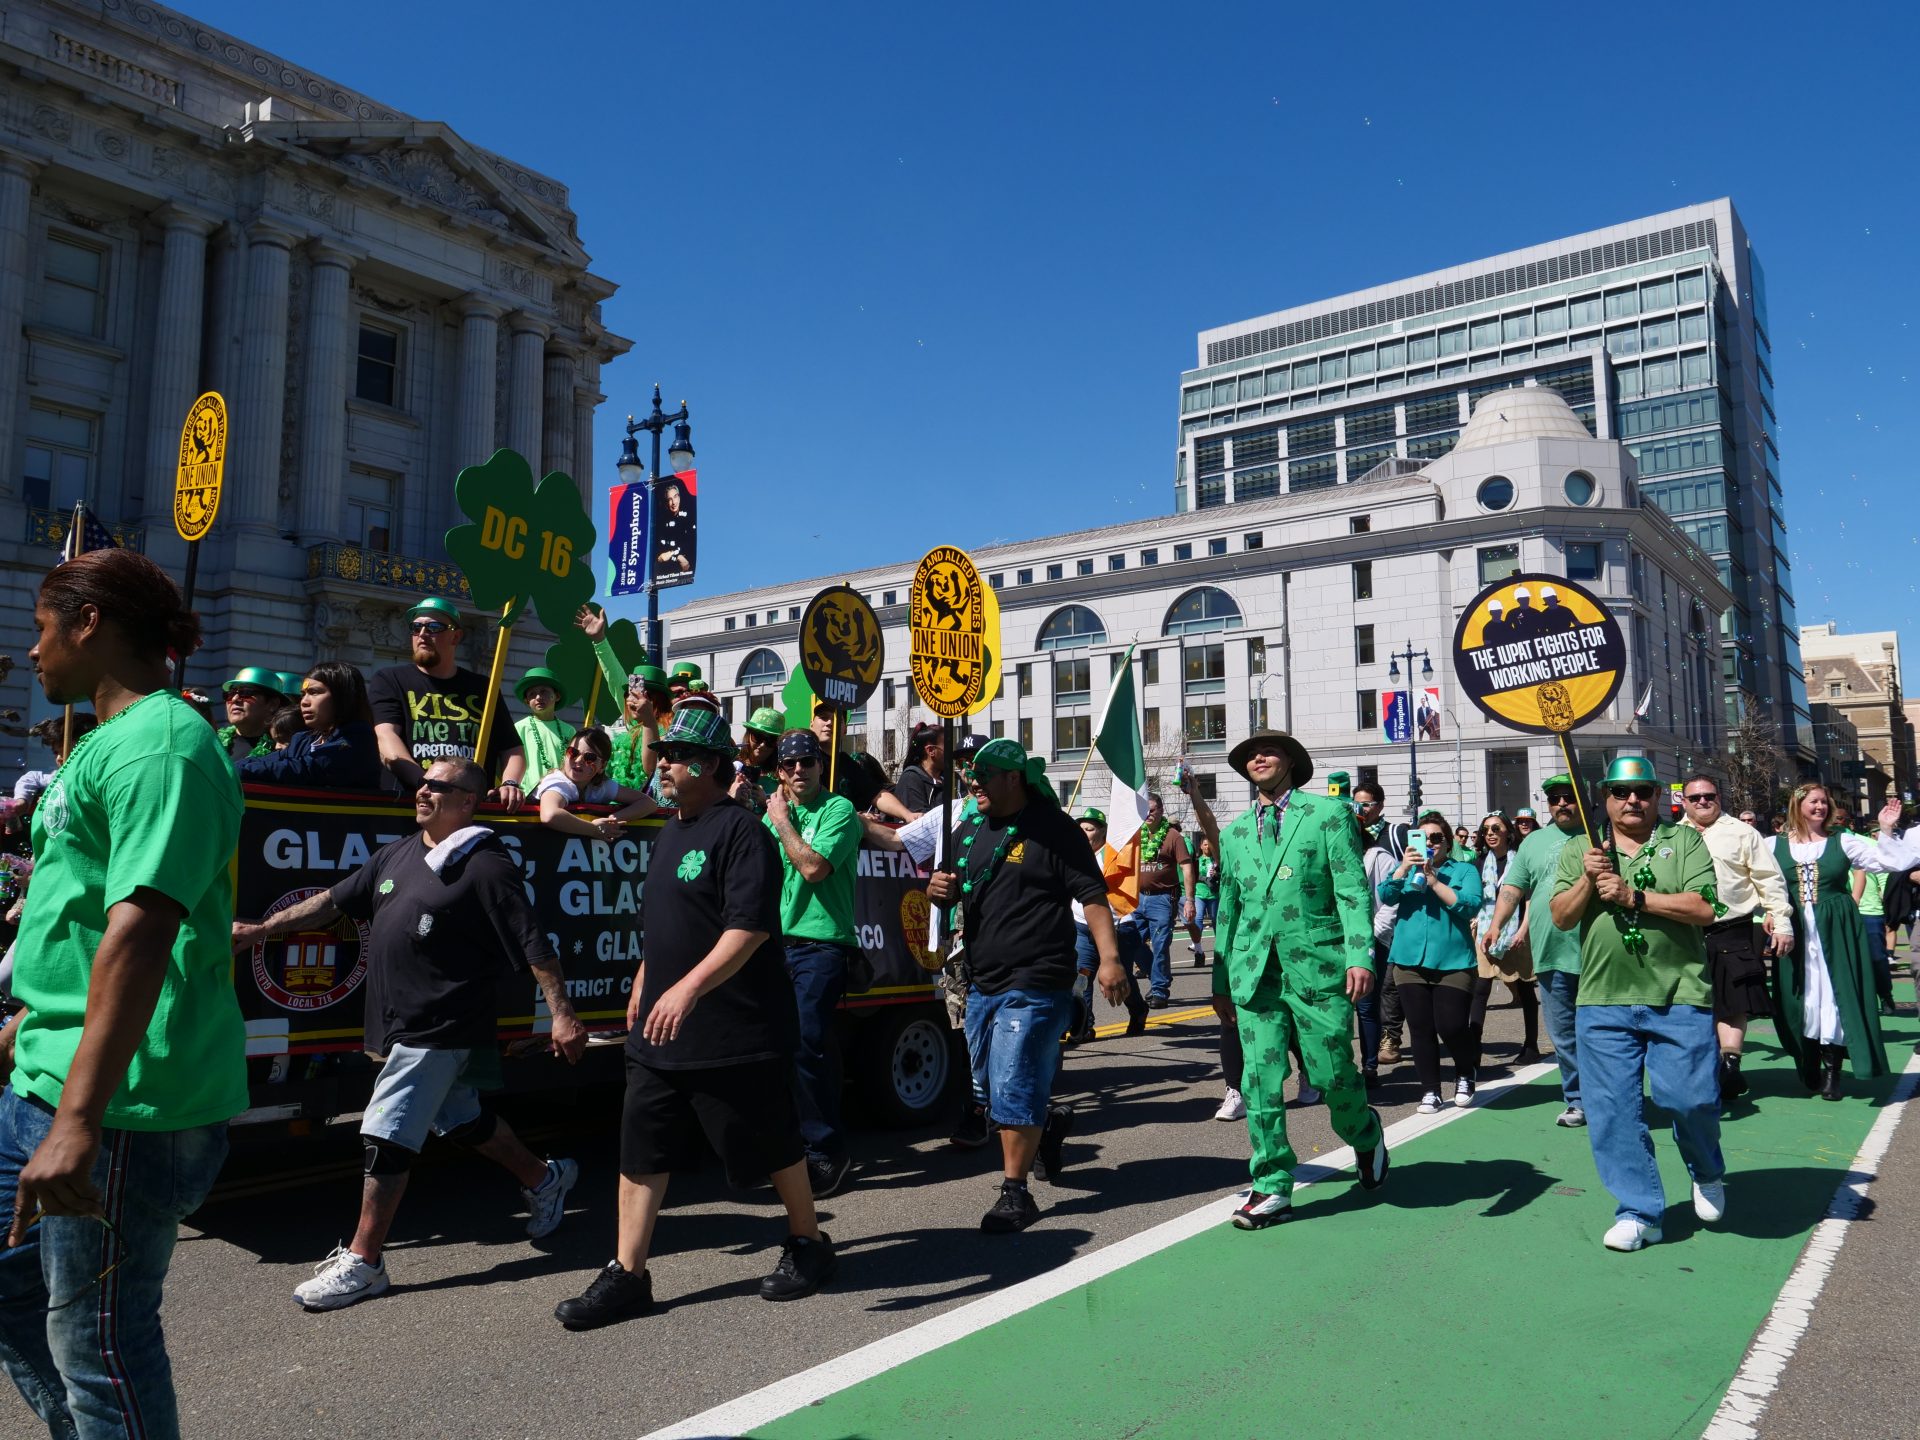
(1156, 913)
(819, 974)
(1013, 1040)
(1204, 911)
(1132, 945)
(97, 1366)
(1559, 995)
(1675, 1049)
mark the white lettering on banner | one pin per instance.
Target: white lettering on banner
(600, 857)
(887, 865)
(600, 897)
(1514, 663)
(297, 850)
(600, 988)
(617, 945)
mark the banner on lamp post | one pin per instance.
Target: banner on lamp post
(627, 529)
(675, 507)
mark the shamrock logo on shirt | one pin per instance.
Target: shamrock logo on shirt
(691, 864)
(386, 887)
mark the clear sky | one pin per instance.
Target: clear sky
(901, 259)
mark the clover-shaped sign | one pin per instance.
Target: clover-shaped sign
(571, 658)
(525, 543)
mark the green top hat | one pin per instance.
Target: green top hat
(766, 721)
(686, 670)
(289, 685)
(434, 608)
(699, 727)
(1091, 816)
(651, 677)
(1556, 782)
(540, 675)
(256, 678)
(1631, 770)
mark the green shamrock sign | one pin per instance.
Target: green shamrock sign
(524, 543)
(691, 864)
(571, 658)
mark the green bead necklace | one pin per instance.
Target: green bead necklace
(972, 878)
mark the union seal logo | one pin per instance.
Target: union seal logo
(312, 969)
(53, 813)
(915, 911)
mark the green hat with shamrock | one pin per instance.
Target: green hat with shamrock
(434, 608)
(254, 678)
(766, 721)
(540, 675)
(697, 727)
(1631, 770)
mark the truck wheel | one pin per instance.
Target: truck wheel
(909, 1063)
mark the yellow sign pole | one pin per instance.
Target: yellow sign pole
(593, 693)
(491, 702)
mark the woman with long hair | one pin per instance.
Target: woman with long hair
(1434, 899)
(1823, 992)
(335, 748)
(1494, 843)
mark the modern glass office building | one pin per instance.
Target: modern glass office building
(1656, 333)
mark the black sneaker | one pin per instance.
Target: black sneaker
(1137, 1018)
(827, 1177)
(805, 1265)
(1047, 1164)
(1156, 1002)
(1014, 1210)
(614, 1295)
(1372, 1164)
(971, 1131)
(1733, 1084)
(1260, 1211)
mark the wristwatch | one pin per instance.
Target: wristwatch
(1639, 900)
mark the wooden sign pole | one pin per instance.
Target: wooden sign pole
(491, 702)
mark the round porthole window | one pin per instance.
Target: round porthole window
(1580, 487)
(1496, 493)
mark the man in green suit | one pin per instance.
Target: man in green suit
(1293, 947)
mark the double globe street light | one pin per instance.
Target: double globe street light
(680, 456)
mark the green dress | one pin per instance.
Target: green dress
(1839, 941)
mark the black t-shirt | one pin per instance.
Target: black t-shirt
(1019, 928)
(441, 943)
(919, 791)
(439, 719)
(718, 871)
(858, 776)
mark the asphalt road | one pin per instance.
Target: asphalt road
(465, 1342)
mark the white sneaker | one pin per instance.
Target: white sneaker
(1709, 1201)
(1631, 1234)
(549, 1202)
(1429, 1103)
(1308, 1095)
(1462, 1093)
(1233, 1107)
(341, 1279)
(1573, 1117)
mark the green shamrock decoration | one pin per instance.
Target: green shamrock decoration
(571, 658)
(386, 887)
(524, 543)
(691, 864)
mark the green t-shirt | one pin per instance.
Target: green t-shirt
(545, 742)
(146, 800)
(1531, 871)
(1873, 899)
(824, 911)
(1674, 969)
(1207, 871)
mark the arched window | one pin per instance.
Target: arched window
(762, 674)
(1070, 626)
(1201, 610)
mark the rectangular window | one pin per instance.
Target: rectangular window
(1550, 319)
(1150, 726)
(1183, 551)
(997, 728)
(1497, 562)
(1072, 680)
(1366, 710)
(1310, 436)
(1363, 460)
(377, 373)
(1368, 427)
(1206, 726)
(1260, 483)
(1206, 785)
(1693, 327)
(1584, 311)
(1622, 302)
(1056, 572)
(1023, 577)
(1516, 327)
(793, 613)
(888, 694)
(57, 459)
(1422, 347)
(1314, 474)
(1454, 341)
(1023, 678)
(1150, 667)
(890, 747)
(1363, 580)
(1257, 713)
(73, 290)
(1393, 354)
(1026, 736)
(371, 499)
(753, 621)
(1583, 560)
(730, 622)
(1083, 567)
(1437, 412)
(1253, 540)
(997, 580)
(773, 616)
(1149, 557)
(1116, 562)
(1256, 447)
(1484, 333)
(1257, 655)
(1217, 545)
(1203, 669)
(1359, 524)
(1656, 294)
(1692, 287)
(1072, 734)
(1363, 645)
(1210, 456)
(889, 597)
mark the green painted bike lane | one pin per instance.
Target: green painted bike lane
(1472, 1294)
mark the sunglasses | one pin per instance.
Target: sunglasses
(1631, 792)
(805, 762)
(445, 787)
(583, 757)
(677, 754)
(1560, 797)
(247, 695)
(1705, 797)
(119, 1258)
(430, 627)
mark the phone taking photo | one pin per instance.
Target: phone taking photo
(1417, 842)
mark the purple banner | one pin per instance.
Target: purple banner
(627, 537)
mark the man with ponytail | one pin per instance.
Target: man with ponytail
(130, 1057)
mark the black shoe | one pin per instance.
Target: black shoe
(614, 1295)
(1137, 1019)
(1156, 1002)
(971, 1131)
(1526, 1055)
(1733, 1084)
(805, 1265)
(1373, 1164)
(1014, 1210)
(1369, 1076)
(827, 1177)
(1830, 1058)
(1260, 1211)
(1047, 1164)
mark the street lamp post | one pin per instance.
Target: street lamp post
(1413, 725)
(680, 456)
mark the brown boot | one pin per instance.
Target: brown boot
(1389, 1051)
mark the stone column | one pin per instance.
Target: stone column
(323, 397)
(252, 503)
(176, 351)
(556, 451)
(16, 203)
(525, 352)
(226, 279)
(585, 398)
(473, 428)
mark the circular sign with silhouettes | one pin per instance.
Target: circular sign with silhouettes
(1538, 654)
(841, 651)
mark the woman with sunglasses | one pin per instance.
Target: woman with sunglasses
(1510, 960)
(582, 778)
(1823, 991)
(1435, 899)
(336, 748)
(1525, 822)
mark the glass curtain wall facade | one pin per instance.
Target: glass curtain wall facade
(1654, 331)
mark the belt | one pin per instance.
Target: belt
(1730, 922)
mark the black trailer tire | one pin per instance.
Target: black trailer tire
(908, 1065)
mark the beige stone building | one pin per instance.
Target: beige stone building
(1858, 677)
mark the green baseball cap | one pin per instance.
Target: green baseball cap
(540, 675)
(434, 608)
(1090, 816)
(699, 727)
(289, 683)
(1631, 770)
(256, 678)
(1556, 782)
(766, 721)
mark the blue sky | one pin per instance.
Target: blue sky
(899, 259)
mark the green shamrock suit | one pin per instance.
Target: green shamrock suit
(1295, 915)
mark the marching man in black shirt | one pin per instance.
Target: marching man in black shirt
(1018, 864)
(712, 1029)
(450, 919)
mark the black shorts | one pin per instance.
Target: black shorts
(1737, 967)
(746, 1112)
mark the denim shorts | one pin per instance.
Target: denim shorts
(420, 1091)
(1013, 1039)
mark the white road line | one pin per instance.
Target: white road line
(783, 1397)
(1745, 1403)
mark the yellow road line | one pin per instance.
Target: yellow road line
(1163, 1017)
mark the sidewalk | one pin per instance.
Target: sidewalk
(1472, 1296)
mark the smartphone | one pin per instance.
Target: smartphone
(1417, 842)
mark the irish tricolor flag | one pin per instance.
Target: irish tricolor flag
(1117, 738)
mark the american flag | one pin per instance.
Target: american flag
(85, 533)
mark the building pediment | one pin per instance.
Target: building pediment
(427, 162)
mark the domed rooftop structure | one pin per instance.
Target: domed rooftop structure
(1533, 413)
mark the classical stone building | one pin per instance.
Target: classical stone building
(380, 301)
(1858, 678)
